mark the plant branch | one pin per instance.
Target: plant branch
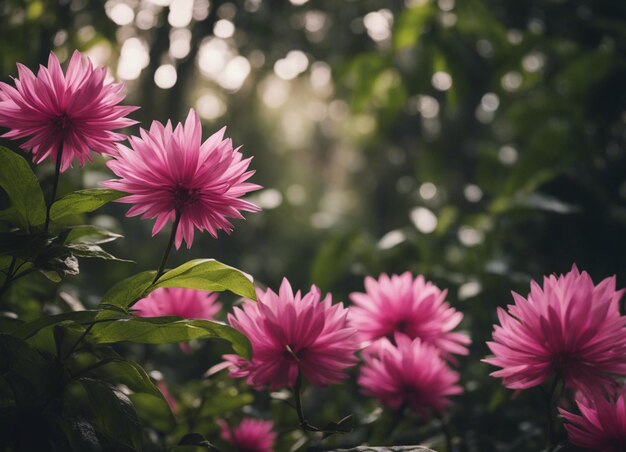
(55, 186)
(446, 433)
(88, 369)
(297, 389)
(550, 434)
(77, 343)
(9, 276)
(166, 255)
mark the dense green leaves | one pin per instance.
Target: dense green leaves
(82, 201)
(22, 187)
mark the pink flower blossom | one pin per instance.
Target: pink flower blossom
(410, 373)
(251, 435)
(185, 303)
(76, 112)
(170, 171)
(569, 327)
(291, 333)
(414, 307)
(601, 425)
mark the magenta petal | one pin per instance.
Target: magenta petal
(169, 170)
(76, 112)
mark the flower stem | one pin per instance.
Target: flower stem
(297, 388)
(166, 255)
(9, 276)
(550, 434)
(55, 186)
(446, 433)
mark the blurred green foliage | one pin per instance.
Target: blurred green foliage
(479, 142)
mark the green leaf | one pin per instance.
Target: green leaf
(9, 324)
(29, 329)
(93, 251)
(83, 201)
(411, 24)
(66, 336)
(153, 411)
(209, 274)
(129, 290)
(128, 373)
(194, 439)
(200, 274)
(148, 400)
(218, 405)
(27, 370)
(537, 201)
(167, 330)
(19, 244)
(80, 434)
(91, 235)
(21, 185)
(10, 215)
(114, 414)
(52, 275)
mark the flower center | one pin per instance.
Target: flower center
(291, 354)
(401, 326)
(184, 196)
(62, 124)
(562, 361)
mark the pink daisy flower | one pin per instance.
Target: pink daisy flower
(601, 425)
(411, 306)
(171, 175)
(185, 303)
(410, 373)
(292, 333)
(570, 328)
(251, 435)
(71, 113)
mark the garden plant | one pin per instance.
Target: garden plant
(443, 270)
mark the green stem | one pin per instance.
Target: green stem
(166, 255)
(550, 434)
(77, 343)
(446, 433)
(88, 369)
(297, 389)
(55, 186)
(304, 424)
(9, 277)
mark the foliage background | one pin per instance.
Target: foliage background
(479, 142)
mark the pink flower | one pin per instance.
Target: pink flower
(414, 307)
(251, 435)
(171, 171)
(410, 373)
(185, 303)
(601, 425)
(76, 112)
(569, 327)
(290, 334)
